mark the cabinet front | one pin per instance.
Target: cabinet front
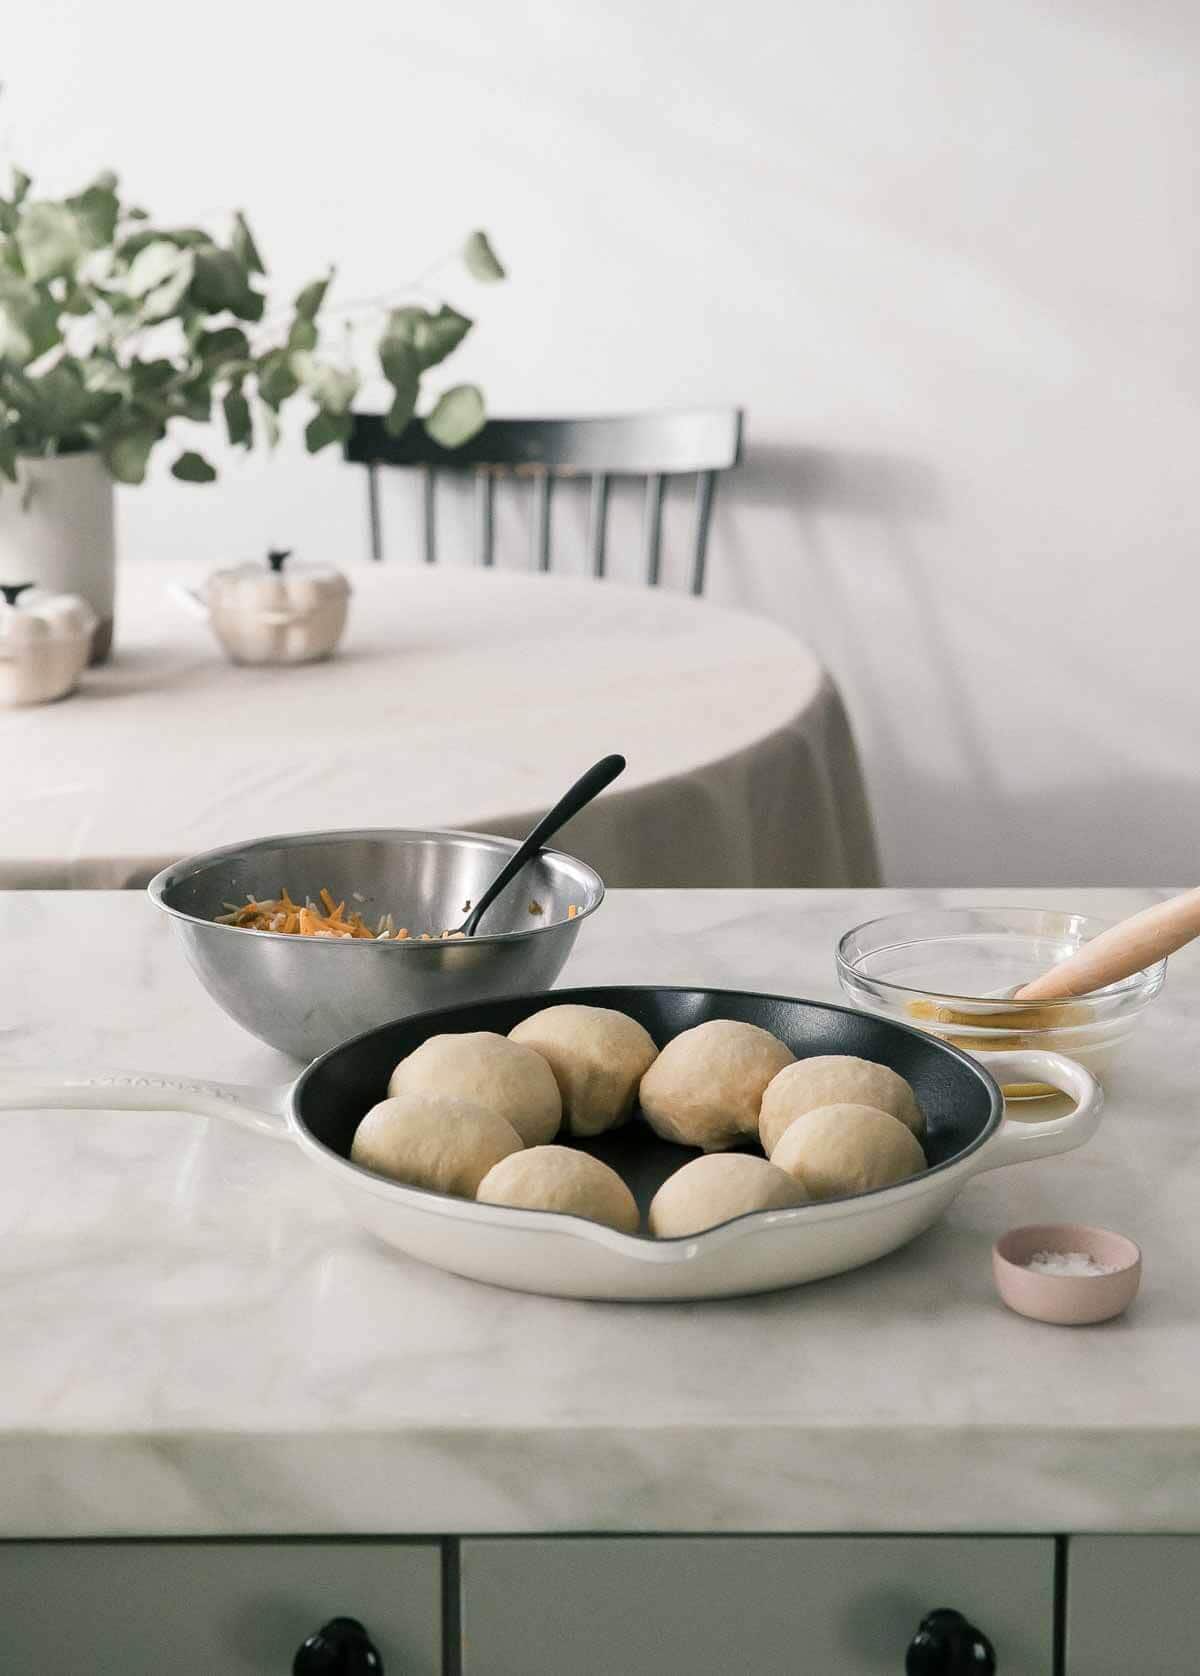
(218, 1608)
(777, 1606)
(1133, 1606)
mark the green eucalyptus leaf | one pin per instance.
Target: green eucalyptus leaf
(126, 456)
(402, 369)
(480, 259)
(21, 182)
(106, 376)
(187, 238)
(166, 299)
(269, 420)
(219, 282)
(399, 359)
(58, 400)
(151, 375)
(309, 300)
(399, 415)
(8, 457)
(244, 247)
(324, 428)
(302, 337)
(276, 380)
(441, 335)
(191, 467)
(332, 388)
(405, 322)
(153, 265)
(431, 336)
(226, 343)
(79, 301)
(97, 209)
(194, 399)
(50, 240)
(458, 415)
(28, 321)
(238, 424)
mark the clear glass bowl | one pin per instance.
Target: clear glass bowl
(939, 968)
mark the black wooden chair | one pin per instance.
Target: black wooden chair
(652, 446)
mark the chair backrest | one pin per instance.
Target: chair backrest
(653, 446)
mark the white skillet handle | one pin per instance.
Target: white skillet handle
(260, 1109)
(1017, 1143)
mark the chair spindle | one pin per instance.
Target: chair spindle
(428, 513)
(373, 512)
(652, 528)
(543, 483)
(484, 534)
(598, 522)
(706, 484)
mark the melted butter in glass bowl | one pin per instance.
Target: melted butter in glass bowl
(941, 969)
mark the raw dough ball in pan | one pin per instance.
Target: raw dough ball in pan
(847, 1149)
(597, 1056)
(716, 1188)
(835, 1079)
(488, 1070)
(705, 1087)
(427, 1140)
(562, 1179)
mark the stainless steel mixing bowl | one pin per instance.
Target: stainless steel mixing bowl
(303, 994)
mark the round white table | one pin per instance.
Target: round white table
(458, 698)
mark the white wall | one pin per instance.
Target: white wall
(943, 252)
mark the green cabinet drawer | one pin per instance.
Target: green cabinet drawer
(1133, 1606)
(775, 1606)
(211, 1608)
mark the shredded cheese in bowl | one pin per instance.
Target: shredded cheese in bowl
(328, 919)
(324, 919)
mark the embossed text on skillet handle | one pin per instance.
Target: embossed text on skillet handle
(260, 1109)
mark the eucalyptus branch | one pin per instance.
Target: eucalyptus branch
(93, 258)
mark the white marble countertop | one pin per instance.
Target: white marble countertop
(198, 1340)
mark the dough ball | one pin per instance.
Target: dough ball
(434, 1141)
(597, 1056)
(488, 1070)
(835, 1079)
(847, 1149)
(717, 1187)
(560, 1178)
(705, 1087)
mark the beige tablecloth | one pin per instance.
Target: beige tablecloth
(459, 698)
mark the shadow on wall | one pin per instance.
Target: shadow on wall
(847, 483)
(1066, 834)
(849, 563)
(876, 618)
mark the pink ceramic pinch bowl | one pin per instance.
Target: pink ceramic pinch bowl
(1066, 1300)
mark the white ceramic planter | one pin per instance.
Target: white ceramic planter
(56, 530)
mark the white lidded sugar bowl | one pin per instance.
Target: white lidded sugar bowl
(269, 614)
(45, 642)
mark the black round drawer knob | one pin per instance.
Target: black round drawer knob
(341, 1647)
(947, 1645)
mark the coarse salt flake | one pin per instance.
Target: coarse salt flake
(1067, 1263)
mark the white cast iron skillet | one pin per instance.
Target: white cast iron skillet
(537, 1251)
